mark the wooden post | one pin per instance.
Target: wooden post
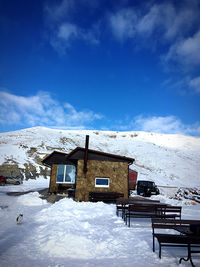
(86, 153)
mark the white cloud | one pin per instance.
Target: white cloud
(167, 20)
(168, 125)
(189, 48)
(42, 110)
(148, 22)
(122, 24)
(56, 12)
(159, 124)
(195, 84)
(65, 10)
(172, 26)
(178, 23)
(67, 31)
(61, 29)
(74, 115)
(162, 26)
(164, 23)
(186, 51)
(62, 37)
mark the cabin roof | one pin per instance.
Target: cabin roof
(57, 157)
(79, 152)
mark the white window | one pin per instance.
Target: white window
(66, 174)
(102, 182)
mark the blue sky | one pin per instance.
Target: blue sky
(101, 64)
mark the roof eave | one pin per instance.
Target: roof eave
(101, 153)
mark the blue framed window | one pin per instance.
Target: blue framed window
(66, 174)
(102, 182)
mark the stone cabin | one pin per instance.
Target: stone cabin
(85, 170)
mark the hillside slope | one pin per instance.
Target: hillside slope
(166, 159)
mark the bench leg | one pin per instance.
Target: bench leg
(191, 261)
(188, 257)
(125, 219)
(159, 250)
(124, 214)
(117, 212)
(153, 243)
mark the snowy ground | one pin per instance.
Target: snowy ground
(68, 233)
(28, 185)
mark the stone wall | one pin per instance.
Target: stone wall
(85, 183)
(11, 171)
(28, 172)
(53, 187)
(117, 172)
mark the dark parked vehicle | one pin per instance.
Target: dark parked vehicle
(147, 188)
(2, 180)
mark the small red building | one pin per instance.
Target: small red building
(132, 179)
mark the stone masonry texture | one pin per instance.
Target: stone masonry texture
(117, 172)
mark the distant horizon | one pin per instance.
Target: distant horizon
(105, 65)
(93, 130)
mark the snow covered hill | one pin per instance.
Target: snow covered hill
(172, 160)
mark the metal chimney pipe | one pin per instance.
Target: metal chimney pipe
(86, 153)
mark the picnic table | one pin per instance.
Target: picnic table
(145, 210)
(122, 204)
(186, 231)
(185, 238)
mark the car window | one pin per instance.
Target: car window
(146, 183)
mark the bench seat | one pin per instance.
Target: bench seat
(186, 239)
(148, 211)
(122, 204)
(107, 197)
(176, 240)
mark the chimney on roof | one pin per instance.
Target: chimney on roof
(86, 153)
